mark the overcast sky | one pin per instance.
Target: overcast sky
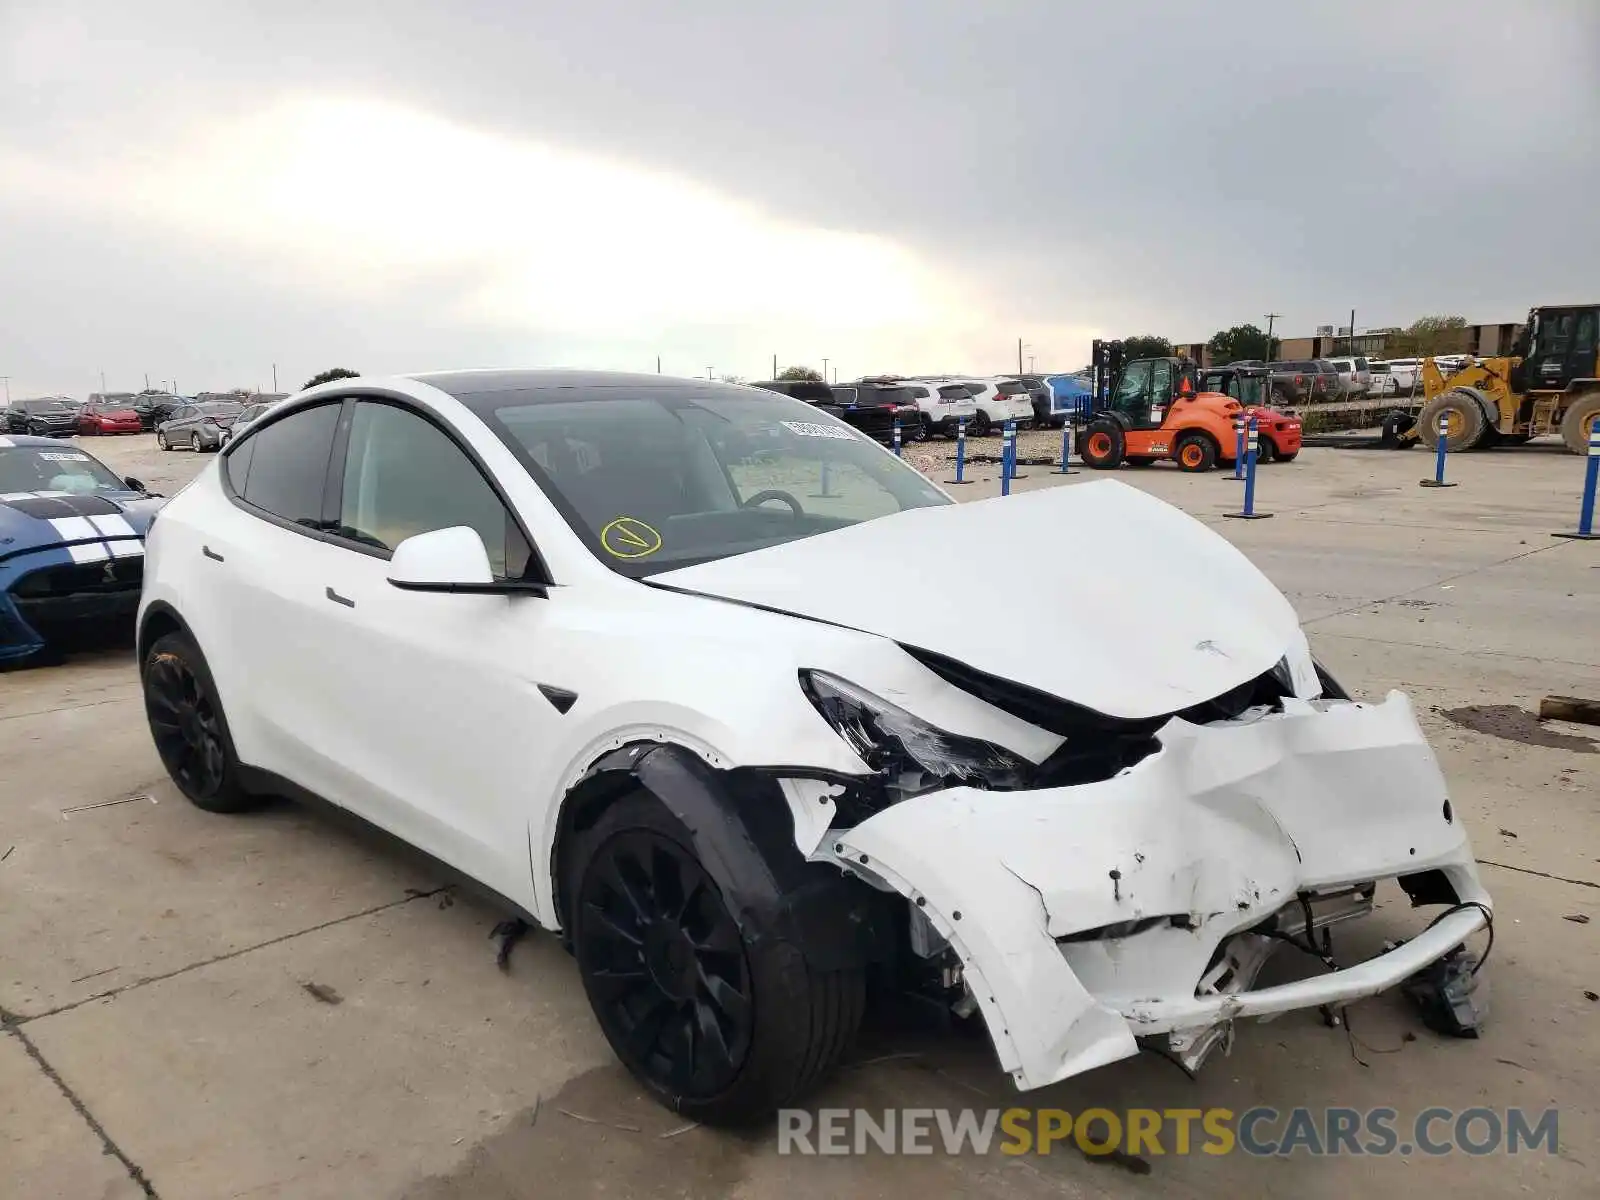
(197, 189)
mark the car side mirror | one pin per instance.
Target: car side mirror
(450, 560)
(136, 484)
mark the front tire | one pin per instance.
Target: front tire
(189, 727)
(1582, 415)
(1196, 453)
(161, 440)
(194, 442)
(1102, 445)
(718, 1024)
(1467, 423)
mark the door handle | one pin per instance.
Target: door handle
(338, 599)
(211, 554)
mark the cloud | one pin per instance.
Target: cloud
(896, 185)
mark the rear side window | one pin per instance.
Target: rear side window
(954, 391)
(1012, 388)
(917, 393)
(288, 464)
(845, 395)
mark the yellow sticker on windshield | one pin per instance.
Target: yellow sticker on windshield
(628, 538)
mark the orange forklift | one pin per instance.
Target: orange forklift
(1151, 409)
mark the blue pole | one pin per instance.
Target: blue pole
(897, 437)
(1008, 433)
(1438, 462)
(1066, 450)
(1238, 447)
(1591, 485)
(961, 452)
(1250, 469)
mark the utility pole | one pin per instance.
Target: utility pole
(1271, 317)
(274, 377)
(1350, 345)
(825, 371)
(147, 381)
(708, 372)
(1030, 364)
(774, 366)
(103, 383)
(658, 364)
(1019, 356)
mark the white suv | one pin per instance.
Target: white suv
(657, 661)
(998, 401)
(943, 405)
(1355, 379)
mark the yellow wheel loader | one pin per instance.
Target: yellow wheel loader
(1549, 384)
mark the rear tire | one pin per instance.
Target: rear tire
(1266, 449)
(1288, 457)
(1102, 445)
(980, 424)
(1582, 414)
(161, 440)
(189, 727)
(194, 442)
(717, 1023)
(1195, 453)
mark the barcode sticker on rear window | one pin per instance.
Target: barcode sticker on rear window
(62, 456)
(812, 429)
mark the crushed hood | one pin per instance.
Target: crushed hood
(1098, 594)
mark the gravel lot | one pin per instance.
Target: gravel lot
(283, 1005)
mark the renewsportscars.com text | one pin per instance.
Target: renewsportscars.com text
(1149, 1132)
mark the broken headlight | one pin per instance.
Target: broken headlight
(912, 756)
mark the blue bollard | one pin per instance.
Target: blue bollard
(1238, 451)
(897, 437)
(1066, 467)
(1008, 447)
(1438, 463)
(1249, 513)
(961, 454)
(1591, 485)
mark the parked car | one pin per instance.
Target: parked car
(47, 416)
(998, 401)
(943, 406)
(722, 734)
(1039, 397)
(71, 544)
(249, 415)
(1355, 376)
(1070, 398)
(1295, 381)
(875, 408)
(155, 407)
(198, 426)
(99, 417)
(1407, 375)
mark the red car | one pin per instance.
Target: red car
(107, 418)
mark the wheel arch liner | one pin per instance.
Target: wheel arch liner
(743, 831)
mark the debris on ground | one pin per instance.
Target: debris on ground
(1588, 995)
(322, 993)
(1507, 833)
(1450, 996)
(1516, 725)
(509, 932)
(6, 855)
(1570, 708)
(1576, 918)
(76, 808)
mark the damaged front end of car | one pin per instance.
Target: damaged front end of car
(1126, 889)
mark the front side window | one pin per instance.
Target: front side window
(404, 476)
(286, 465)
(651, 482)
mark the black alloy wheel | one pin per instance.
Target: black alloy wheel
(664, 964)
(184, 722)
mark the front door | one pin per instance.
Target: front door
(442, 721)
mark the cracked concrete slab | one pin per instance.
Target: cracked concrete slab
(47, 1150)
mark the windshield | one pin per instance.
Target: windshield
(651, 483)
(37, 469)
(44, 406)
(218, 409)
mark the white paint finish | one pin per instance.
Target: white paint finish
(71, 529)
(1225, 826)
(125, 549)
(422, 712)
(454, 555)
(114, 525)
(1200, 617)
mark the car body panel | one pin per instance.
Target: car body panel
(1221, 830)
(1185, 653)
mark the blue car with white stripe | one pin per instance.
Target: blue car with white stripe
(71, 543)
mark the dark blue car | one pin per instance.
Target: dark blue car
(71, 543)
